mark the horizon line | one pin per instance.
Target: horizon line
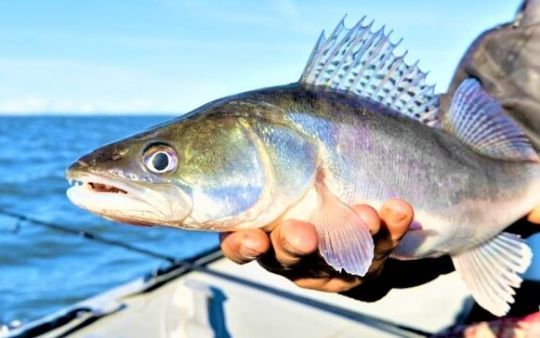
(89, 114)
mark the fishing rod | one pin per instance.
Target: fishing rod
(89, 235)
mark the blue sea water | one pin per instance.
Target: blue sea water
(42, 270)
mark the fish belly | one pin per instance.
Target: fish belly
(473, 223)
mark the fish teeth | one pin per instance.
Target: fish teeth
(74, 182)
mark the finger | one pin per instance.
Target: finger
(534, 216)
(397, 216)
(369, 216)
(292, 240)
(244, 245)
(328, 284)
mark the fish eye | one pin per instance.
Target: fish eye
(160, 158)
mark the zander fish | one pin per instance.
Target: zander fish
(360, 126)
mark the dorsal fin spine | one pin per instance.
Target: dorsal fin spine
(323, 51)
(313, 57)
(392, 94)
(383, 82)
(366, 43)
(336, 51)
(350, 67)
(349, 51)
(407, 84)
(363, 63)
(371, 57)
(389, 73)
(420, 78)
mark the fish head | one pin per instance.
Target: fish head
(225, 166)
(199, 172)
(131, 181)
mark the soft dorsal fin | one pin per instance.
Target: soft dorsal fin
(478, 120)
(363, 62)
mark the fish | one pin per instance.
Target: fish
(361, 125)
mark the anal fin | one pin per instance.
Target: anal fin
(491, 271)
(344, 239)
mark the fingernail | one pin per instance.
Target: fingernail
(394, 216)
(248, 253)
(301, 242)
(289, 247)
(290, 243)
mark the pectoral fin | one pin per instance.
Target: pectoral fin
(491, 271)
(344, 239)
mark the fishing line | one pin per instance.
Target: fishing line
(87, 235)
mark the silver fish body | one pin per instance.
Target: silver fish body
(371, 154)
(366, 152)
(361, 126)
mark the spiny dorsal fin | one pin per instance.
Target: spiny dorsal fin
(363, 62)
(478, 120)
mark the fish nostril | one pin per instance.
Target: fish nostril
(115, 156)
(112, 154)
(81, 164)
(78, 165)
(107, 155)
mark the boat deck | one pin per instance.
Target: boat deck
(217, 298)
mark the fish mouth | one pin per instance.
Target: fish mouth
(98, 187)
(98, 184)
(124, 201)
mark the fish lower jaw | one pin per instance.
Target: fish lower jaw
(87, 188)
(97, 187)
(110, 205)
(98, 183)
(128, 203)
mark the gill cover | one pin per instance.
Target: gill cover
(243, 173)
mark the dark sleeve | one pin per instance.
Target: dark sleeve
(506, 60)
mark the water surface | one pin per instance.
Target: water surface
(42, 270)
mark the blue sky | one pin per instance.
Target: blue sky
(170, 56)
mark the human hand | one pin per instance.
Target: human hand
(290, 248)
(528, 225)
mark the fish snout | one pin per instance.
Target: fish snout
(78, 165)
(76, 168)
(107, 154)
(102, 157)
